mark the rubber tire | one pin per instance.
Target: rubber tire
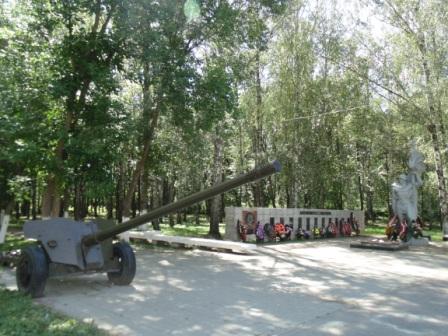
(32, 271)
(123, 251)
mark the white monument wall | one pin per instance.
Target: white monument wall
(292, 216)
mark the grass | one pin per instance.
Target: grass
(15, 241)
(182, 230)
(379, 229)
(16, 224)
(19, 315)
(189, 230)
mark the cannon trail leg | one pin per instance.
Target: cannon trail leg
(126, 258)
(32, 271)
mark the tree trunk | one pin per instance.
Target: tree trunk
(369, 201)
(134, 180)
(215, 207)
(34, 198)
(441, 183)
(258, 186)
(25, 209)
(17, 210)
(292, 193)
(150, 116)
(388, 184)
(433, 130)
(156, 202)
(144, 191)
(360, 192)
(95, 207)
(110, 207)
(272, 190)
(80, 202)
(197, 214)
(51, 198)
(119, 194)
(171, 197)
(134, 204)
(75, 102)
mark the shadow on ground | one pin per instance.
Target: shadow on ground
(318, 288)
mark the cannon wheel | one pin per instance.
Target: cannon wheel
(32, 271)
(126, 258)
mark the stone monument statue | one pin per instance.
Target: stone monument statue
(404, 191)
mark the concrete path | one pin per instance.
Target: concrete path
(313, 288)
(156, 236)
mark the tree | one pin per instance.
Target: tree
(166, 60)
(24, 103)
(216, 105)
(423, 29)
(86, 50)
(258, 15)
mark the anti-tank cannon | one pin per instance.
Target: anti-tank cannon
(66, 246)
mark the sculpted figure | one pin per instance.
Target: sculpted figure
(404, 192)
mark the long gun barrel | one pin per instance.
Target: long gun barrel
(200, 196)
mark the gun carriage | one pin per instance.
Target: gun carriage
(66, 246)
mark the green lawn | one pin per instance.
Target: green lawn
(377, 229)
(189, 230)
(20, 316)
(14, 242)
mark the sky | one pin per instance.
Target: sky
(360, 10)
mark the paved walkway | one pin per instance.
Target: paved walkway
(315, 288)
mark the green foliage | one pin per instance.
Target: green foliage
(24, 100)
(21, 316)
(215, 95)
(87, 84)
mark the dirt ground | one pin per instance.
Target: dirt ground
(312, 288)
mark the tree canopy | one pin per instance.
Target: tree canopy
(127, 105)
